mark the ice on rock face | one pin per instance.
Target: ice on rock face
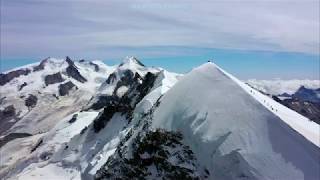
(224, 124)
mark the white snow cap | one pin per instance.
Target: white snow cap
(131, 60)
(223, 119)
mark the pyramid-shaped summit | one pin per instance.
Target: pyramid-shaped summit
(131, 60)
(233, 134)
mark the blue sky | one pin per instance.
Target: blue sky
(250, 38)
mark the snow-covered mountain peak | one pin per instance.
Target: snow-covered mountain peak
(131, 69)
(224, 122)
(205, 67)
(132, 121)
(131, 63)
(131, 60)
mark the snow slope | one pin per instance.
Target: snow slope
(301, 124)
(234, 134)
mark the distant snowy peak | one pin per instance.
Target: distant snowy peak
(130, 60)
(312, 95)
(78, 71)
(131, 69)
(132, 80)
(302, 96)
(34, 91)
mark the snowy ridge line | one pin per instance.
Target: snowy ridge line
(309, 129)
(31, 65)
(280, 86)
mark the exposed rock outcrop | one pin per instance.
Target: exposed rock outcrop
(126, 103)
(305, 101)
(96, 67)
(308, 109)
(53, 78)
(104, 117)
(5, 78)
(73, 119)
(159, 154)
(8, 116)
(41, 65)
(24, 84)
(11, 137)
(35, 147)
(8, 111)
(112, 77)
(73, 72)
(31, 101)
(306, 94)
(65, 88)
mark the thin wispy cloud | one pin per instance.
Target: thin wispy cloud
(41, 28)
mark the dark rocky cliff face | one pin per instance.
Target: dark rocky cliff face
(11, 137)
(112, 77)
(65, 88)
(104, 117)
(31, 101)
(145, 153)
(152, 156)
(53, 78)
(24, 84)
(73, 72)
(5, 78)
(305, 94)
(304, 101)
(6, 115)
(40, 66)
(96, 67)
(138, 88)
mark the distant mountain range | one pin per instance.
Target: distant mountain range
(294, 94)
(65, 119)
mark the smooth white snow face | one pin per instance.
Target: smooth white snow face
(49, 172)
(278, 86)
(308, 129)
(122, 90)
(221, 122)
